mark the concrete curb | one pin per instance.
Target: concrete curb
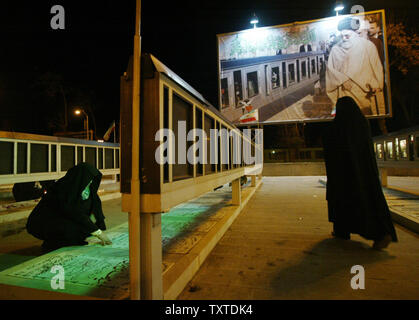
(404, 220)
(396, 215)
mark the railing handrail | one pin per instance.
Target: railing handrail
(58, 139)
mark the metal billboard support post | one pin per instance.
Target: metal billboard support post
(151, 257)
(145, 245)
(134, 214)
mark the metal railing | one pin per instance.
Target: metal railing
(293, 155)
(29, 157)
(167, 101)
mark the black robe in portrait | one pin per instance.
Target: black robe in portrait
(356, 202)
(62, 217)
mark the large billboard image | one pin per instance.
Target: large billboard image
(296, 72)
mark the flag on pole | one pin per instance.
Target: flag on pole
(109, 131)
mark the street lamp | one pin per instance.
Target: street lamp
(254, 21)
(78, 112)
(338, 7)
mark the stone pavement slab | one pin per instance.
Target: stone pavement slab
(280, 247)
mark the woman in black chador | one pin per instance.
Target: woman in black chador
(63, 217)
(355, 198)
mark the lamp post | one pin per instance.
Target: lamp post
(78, 112)
(338, 7)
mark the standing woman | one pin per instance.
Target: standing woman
(356, 202)
(64, 215)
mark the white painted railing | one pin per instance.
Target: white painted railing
(29, 157)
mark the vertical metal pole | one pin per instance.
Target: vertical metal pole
(87, 127)
(15, 158)
(151, 257)
(134, 214)
(49, 157)
(28, 158)
(114, 134)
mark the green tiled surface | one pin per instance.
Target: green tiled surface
(102, 271)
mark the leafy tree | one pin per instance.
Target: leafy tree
(55, 97)
(50, 89)
(405, 51)
(236, 47)
(403, 48)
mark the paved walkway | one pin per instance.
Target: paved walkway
(280, 247)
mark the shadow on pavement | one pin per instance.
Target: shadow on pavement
(329, 257)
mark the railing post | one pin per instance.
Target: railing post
(383, 172)
(15, 158)
(236, 189)
(151, 257)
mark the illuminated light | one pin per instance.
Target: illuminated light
(254, 37)
(330, 23)
(78, 112)
(254, 20)
(273, 151)
(100, 141)
(338, 7)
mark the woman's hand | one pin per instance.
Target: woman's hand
(104, 239)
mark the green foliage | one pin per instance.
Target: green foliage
(276, 40)
(405, 53)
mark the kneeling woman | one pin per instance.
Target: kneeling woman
(63, 216)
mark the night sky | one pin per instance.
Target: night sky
(91, 54)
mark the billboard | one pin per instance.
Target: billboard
(296, 72)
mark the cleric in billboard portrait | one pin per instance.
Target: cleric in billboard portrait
(70, 211)
(355, 199)
(354, 69)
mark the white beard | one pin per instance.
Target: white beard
(347, 44)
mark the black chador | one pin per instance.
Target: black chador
(356, 202)
(63, 216)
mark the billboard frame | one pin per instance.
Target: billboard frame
(386, 64)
